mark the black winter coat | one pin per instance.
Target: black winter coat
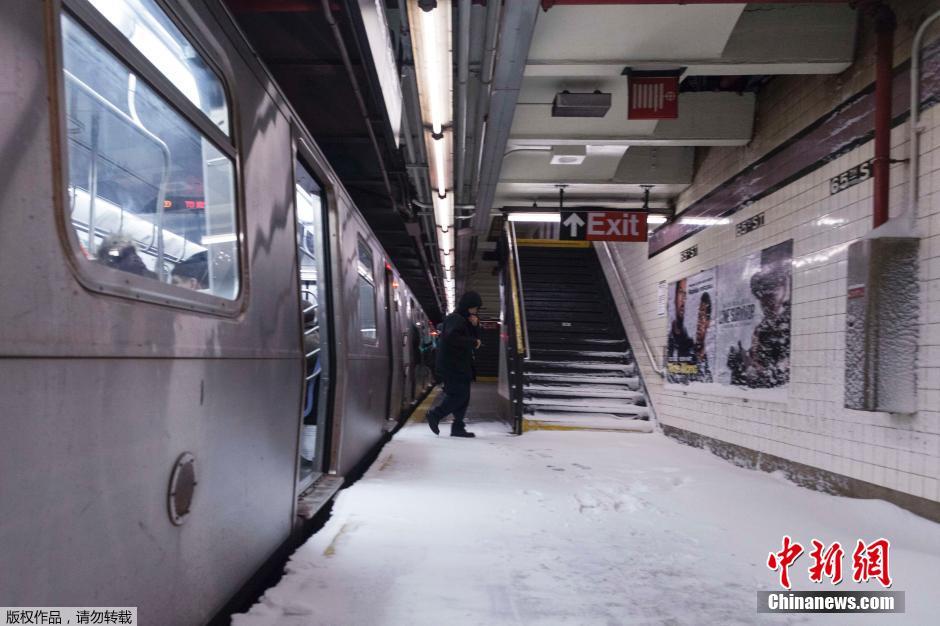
(455, 349)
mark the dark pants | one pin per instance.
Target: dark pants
(456, 399)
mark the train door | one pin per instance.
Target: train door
(393, 403)
(313, 281)
(408, 354)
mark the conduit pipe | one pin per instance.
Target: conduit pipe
(491, 32)
(463, 73)
(914, 125)
(363, 109)
(885, 24)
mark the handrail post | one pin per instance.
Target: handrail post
(515, 346)
(633, 314)
(521, 290)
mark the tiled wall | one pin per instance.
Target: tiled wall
(812, 427)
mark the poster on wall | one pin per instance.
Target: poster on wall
(739, 344)
(690, 345)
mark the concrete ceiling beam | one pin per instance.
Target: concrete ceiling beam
(705, 119)
(768, 39)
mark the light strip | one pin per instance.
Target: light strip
(432, 56)
(556, 217)
(440, 147)
(209, 240)
(431, 39)
(535, 217)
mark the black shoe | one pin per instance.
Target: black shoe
(433, 422)
(461, 433)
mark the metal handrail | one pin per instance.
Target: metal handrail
(621, 282)
(514, 295)
(521, 290)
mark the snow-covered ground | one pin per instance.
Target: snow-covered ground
(578, 528)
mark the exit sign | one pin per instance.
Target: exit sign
(653, 96)
(604, 225)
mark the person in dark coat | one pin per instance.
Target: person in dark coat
(456, 343)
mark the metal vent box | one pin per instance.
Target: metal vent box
(881, 325)
(581, 104)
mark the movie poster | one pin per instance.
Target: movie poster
(690, 344)
(729, 328)
(754, 322)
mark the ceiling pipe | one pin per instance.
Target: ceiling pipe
(547, 4)
(463, 73)
(885, 25)
(491, 32)
(363, 109)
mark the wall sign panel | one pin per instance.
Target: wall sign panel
(729, 328)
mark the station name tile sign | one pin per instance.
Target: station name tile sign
(604, 226)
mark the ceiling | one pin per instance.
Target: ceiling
(697, 40)
(723, 54)
(296, 42)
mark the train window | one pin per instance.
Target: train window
(367, 317)
(149, 194)
(154, 34)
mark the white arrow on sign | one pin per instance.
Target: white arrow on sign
(574, 223)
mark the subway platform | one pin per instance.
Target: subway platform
(563, 527)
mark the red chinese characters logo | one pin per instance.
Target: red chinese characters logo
(826, 563)
(869, 561)
(784, 559)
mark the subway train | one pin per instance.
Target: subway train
(198, 325)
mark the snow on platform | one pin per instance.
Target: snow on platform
(578, 528)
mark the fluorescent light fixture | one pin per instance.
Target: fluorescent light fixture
(444, 211)
(440, 169)
(208, 240)
(433, 48)
(556, 217)
(535, 217)
(431, 42)
(704, 221)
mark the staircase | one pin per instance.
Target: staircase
(581, 373)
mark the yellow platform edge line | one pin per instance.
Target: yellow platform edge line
(487, 379)
(417, 416)
(530, 425)
(553, 243)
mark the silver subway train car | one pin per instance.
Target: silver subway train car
(196, 323)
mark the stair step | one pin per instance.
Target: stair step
(612, 343)
(547, 354)
(624, 409)
(588, 405)
(580, 421)
(608, 378)
(580, 365)
(559, 304)
(574, 328)
(582, 391)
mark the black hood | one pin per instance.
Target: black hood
(468, 301)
